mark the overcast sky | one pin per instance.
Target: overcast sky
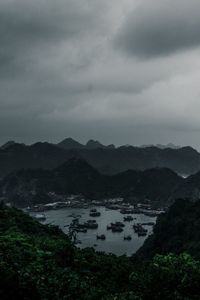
(120, 71)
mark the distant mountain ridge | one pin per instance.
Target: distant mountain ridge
(70, 143)
(161, 146)
(106, 159)
(7, 144)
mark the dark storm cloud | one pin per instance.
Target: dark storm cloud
(161, 27)
(61, 76)
(27, 25)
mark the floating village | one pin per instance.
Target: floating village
(127, 210)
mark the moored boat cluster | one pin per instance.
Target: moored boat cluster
(139, 229)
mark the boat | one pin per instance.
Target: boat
(142, 233)
(95, 214)
(91, 221)
(126, 211)
(148, 224)
(84, 230)
(130, 211)
(101, 237)
(128, 219)
(91, 224)
(82, 227)
(109, 227)
(128, 237)
(139, 229)
(117, 229)
(118, 224)
(151, 214)
(93, 210)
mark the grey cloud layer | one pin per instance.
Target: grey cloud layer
(62, 74)
(27, 27)
(161, 27)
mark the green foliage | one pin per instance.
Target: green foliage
(168, 277)
(176, 231)
(40, 262)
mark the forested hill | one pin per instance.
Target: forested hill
(189, 188)
(106, 159)
(176, 231)
(161, 186)
(76, 176)
(40, 262)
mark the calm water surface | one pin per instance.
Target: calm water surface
(114, 242)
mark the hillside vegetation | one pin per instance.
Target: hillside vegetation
(176, 231)
(76, 176)
(40, 262)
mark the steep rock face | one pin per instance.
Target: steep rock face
(176, 231)
(189, 188)
(158, 184)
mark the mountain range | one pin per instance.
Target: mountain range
(161, 186)
(70, 143)
(108, 160)
(28, 186)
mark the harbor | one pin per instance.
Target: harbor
(108, 230)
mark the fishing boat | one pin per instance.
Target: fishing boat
(109, 227)
(128, 219)
(93, 210)
(148, 224)
(101, 237)
(91, 224)
(117, 229)
(95, 214)
(118, 224)
(128, 237)
(84, 230)
(139, 229)
(142, 233)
